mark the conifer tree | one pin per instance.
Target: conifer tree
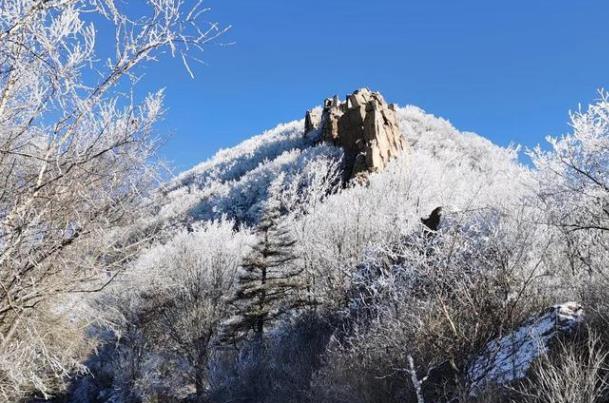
(269, 282)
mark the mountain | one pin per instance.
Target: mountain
(383, 255)
(457, 169)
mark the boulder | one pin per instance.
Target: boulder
(509, 358)
(365, 126)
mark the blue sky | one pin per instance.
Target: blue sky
(508, 70)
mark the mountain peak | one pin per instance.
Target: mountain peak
(364, 125)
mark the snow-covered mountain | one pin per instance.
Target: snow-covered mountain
(456, 169)
(334, 268)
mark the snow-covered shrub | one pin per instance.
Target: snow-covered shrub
(573, 195)
(245, 198)
(234, 181)
(573, 175)
(242, 198)
(166, 312)
(573, 187)
(232, 163)
(438, 298)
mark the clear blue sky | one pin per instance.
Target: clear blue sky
(508, 70)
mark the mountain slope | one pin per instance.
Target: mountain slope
(362, 257)
(234, 181)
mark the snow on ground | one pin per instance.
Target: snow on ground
(509, 358)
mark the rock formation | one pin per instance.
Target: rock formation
(509, 358)
(364, 125)
(312, 120)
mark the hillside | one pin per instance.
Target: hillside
(284, 271)
(367, 253)
(458, 165)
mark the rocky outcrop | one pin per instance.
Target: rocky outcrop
(312, 120)
(364, 125)
(509, 358)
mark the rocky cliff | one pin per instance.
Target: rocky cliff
(364, 125)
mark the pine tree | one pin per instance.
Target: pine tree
(269, 282)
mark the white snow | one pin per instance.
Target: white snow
(510, 357)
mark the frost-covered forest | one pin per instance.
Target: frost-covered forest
(458, 273)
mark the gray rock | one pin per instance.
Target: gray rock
(312, 120)
(365, 126)
(509, 358)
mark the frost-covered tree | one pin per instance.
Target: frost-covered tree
(436, 300)
(573, 179)
(269, 282)
(75, 141)
(170, 304)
